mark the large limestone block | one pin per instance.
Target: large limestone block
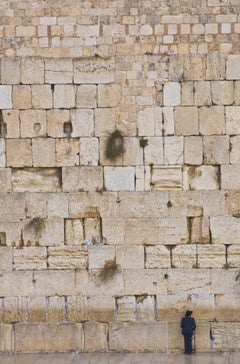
(184, 256)
(193, 150)
(214, 203)
(226, 336)
(166, 178)
(36, 180)
(54, 337)
(15, 309)
(89, 152)
(173, 230)
(7, 338)
(94, 70)
(196, 281)
(30, 258)
(235, 150)
(56, 118)
(19, 152)
(150, 122)
(36, 205)
(225, 281)
(186, 120)
(202, 95)
(109, 95)
(141, 231)
(216, 149)
(130, 257)
(22, 97)
(126, 308)
(64, 96)
(172, 94)
(104, 121)
(91, 283)
(82, 123)
(194, 67)
(2, 153)
(98, 255)
(12, 206)
(232, 120)
(237, 92)
(76, 308)
(32, 70)
(168, 120)
(212, 120)
(53, 282)
(173, 150)
(33, 123)
(92, 230)
(175, 339)
(222, 92)
(82, 178)
(201, 178)
(187, 93)
(199, 230)
(6, 257)
(230, 177)
(42, 97)
(211, 256)
(157, 257)
(227, 307)
(233, 67)
(233, 256)
(153, 152)
(67, 258)
(10, 71)
(119, 178)
(133, 153)
(96, 336)
(39, 155)
(12, 121)
(215, 66)
(144, 281)
(43, 232)
(10, 232)
(37, 308)
(57, 205)
(58, 70)
(101, 308)
(86, 96)
(113, 230)
(67, 152)
(21, 283)
(175, 68)
(55, 309)
(146, 307)
(138, 336)
(202, 336)
(5, 97)
(225, 229)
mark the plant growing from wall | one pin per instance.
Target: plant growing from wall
(143, 142)
(114, 146)
(108, 271)
(37, 224)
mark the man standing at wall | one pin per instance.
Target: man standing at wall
(188, 326)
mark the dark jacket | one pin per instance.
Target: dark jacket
(188, 325)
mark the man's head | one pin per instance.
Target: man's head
(188, 313)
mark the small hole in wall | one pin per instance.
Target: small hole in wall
(67, 127)
(3, 239)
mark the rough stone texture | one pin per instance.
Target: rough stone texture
(165, 212)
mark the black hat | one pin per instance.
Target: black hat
(188, 313)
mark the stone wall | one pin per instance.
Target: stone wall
(119, 174)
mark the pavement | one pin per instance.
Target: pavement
(121, 358)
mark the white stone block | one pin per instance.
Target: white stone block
(168, 120)
(233, 120)
(230, 177)
(130, 257)
(157, 257)
(82, 123)
(166, 178)
(201, 178)
(225, 230)
(5, 97)
(104, 121)
(109, 95)
(98, 255)
(233, 67)
(153, 152)
(89, 152)
(193, 150)
(40, 157)
(172, 94)
(173, 150)
(82, 178)
(64, 96)
(67, 152)
(150, 122)
(33, 123)
(119, 178)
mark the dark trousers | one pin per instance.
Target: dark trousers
(188, 343)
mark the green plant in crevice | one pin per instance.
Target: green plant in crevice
(108, 271)
(143, 142)
(114, 146)
(37, 224)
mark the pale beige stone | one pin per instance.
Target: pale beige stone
(12, 121)
(92, 229)
(215, 66)
(126, 307)
(235, 150)
(113, 230)
(157, 257)
(186, 121)
(21, 284)
(202, 93)
(201, 178)
(144, 281)
(150, 122)
(56, 118)
(225, 281)
(82, 123)
(133, 153)
(193, 150)
(58, 71)
(222, 92)
(233, 256)
(168, 120)
(153, 152)
(225, 335)
(55, 309)
(7, 338)
(104, 121)
(232, 120)
(64, 96)
(98, 255)
(67, 258)
(15, 309)
(33, 123)
(22, 97)
(96, 336)
(89, 151)
(76, 308)
(237, 93)
(67, 152)
(216, 149)
(32, 70)
(119, 178)
(166, 178)
(94, 70)
(43, 232)
(232, 67)
(172, 94)
(101, 308)
(53, 282)
(37, 308)
(224, 230)
(212, 120)
(211, 256)
(178, 281)
(184, 256)
(187, 94)
(5, 97)
(57, 337)
(36, 205)
(6, 258)
(19, 152)
(227, 307)
(30, 258)
(73, 231)
(42, 97)
(39, 155)
(78, 178)
(10, 70)
(10, 231)
(141, 231)
(36, 180)
(146, 307)
(86, 96)
(130, 257)
(229, 177)
(2, 153)
(109, 95)
(194, 67)
(173, 150)
(57, 205)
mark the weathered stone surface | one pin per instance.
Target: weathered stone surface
(42, 97)
(58, 71)
(22, 97)
(222, 92)
(232, 67)
(55, 309)
(30, 258)
(64, 97)
(67, 258)
(40, 158)
(53, 282)
(32, 123)
(172, 94)
(184, 256)
(12, 121)
(12, 206)
(78, 178)
(5, 97)
(86, 96)
(82, 123)
(186, 120)
(225, 335)
(150, 122)
(166, 178)
(232, 119)
(21, 284)
(10, 70)
(57, 337)
(56, 118)
(37, 309)
(119, 178)
(225, 230)
(36, 180)
(76, 308)
(211, 256)
(96, 334)
(15, 309)
(201, 178)
(89, 152)
(126, 308)
(67, 152)
(98, 255)
(203, 95)
(150, 281)
(179, 282)
(193, 150)
(94, 70)
(32, 71)
(211, 120)
(101, 308)
(109, 95)
(7, 337)
(130, 257)
(73, 231)
(157, 257)
(19, 153)
(216, 149)
(43, 232)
